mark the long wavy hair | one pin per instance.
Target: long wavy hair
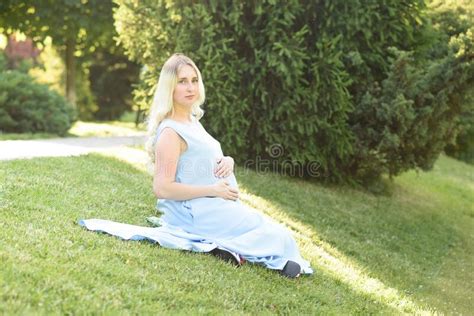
(162, 105)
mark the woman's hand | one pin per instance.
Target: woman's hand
(225, 167)
(223, 190)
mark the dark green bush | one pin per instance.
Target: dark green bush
(453, 19)
(412, 116)
(311, 83)
(463, 148)
(26, 106)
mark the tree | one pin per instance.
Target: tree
(346, 89)
(112, 77)
(76, 27)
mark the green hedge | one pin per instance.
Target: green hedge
(453, 19)
(29, 107)
(315, 85)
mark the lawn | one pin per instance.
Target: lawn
(85, 129)
(407, 251)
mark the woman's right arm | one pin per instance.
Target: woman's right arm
(167, 152)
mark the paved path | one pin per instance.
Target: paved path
(61, 147)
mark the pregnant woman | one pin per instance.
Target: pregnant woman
(196, 188)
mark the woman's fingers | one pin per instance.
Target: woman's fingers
(222, 171)
(218, 171)
(233, 193)
(233, 190)
(219, 167)
(224, 167)
(227, 191)
(233, 197)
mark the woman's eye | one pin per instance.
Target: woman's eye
(184, 81)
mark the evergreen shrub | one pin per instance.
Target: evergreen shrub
(29, 107)
(342, 90)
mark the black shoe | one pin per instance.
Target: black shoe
(227, 256)
(291, 270)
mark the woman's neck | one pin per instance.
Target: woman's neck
(181, 115)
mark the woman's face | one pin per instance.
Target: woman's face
(186, 91)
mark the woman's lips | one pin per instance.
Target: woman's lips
(189, 96)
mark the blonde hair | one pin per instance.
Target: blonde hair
(162, 105)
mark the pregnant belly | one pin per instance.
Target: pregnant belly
(219, 217)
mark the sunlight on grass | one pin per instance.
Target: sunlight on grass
(450, 186)
(326, 257)
(84, 129)
(407, 252)
(331, 261)
(113, 128)
(136, 157)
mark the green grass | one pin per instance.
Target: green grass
(110, 128)
(410, 251)
(27, 136)
(84, 129)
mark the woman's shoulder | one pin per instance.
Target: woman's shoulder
(186, 132)
(167, 123)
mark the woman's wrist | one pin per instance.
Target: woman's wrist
(211, 190)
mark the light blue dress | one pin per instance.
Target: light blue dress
(203, 224)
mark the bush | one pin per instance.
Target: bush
(453, 19)
(26, 106)
(311, 84)
(417, 113)
(463, 148)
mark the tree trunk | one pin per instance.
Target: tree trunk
(71, 71)
(137, 118)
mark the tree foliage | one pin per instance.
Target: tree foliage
(453, 20)
(345, 86)
(112, 77)
(71, 24)
(26, 106)
(83, 32)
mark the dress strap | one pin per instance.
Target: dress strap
(180, 128)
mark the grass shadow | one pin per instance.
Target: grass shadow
(402, 239)
(51, 263)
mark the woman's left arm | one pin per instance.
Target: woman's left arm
(225, 167)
